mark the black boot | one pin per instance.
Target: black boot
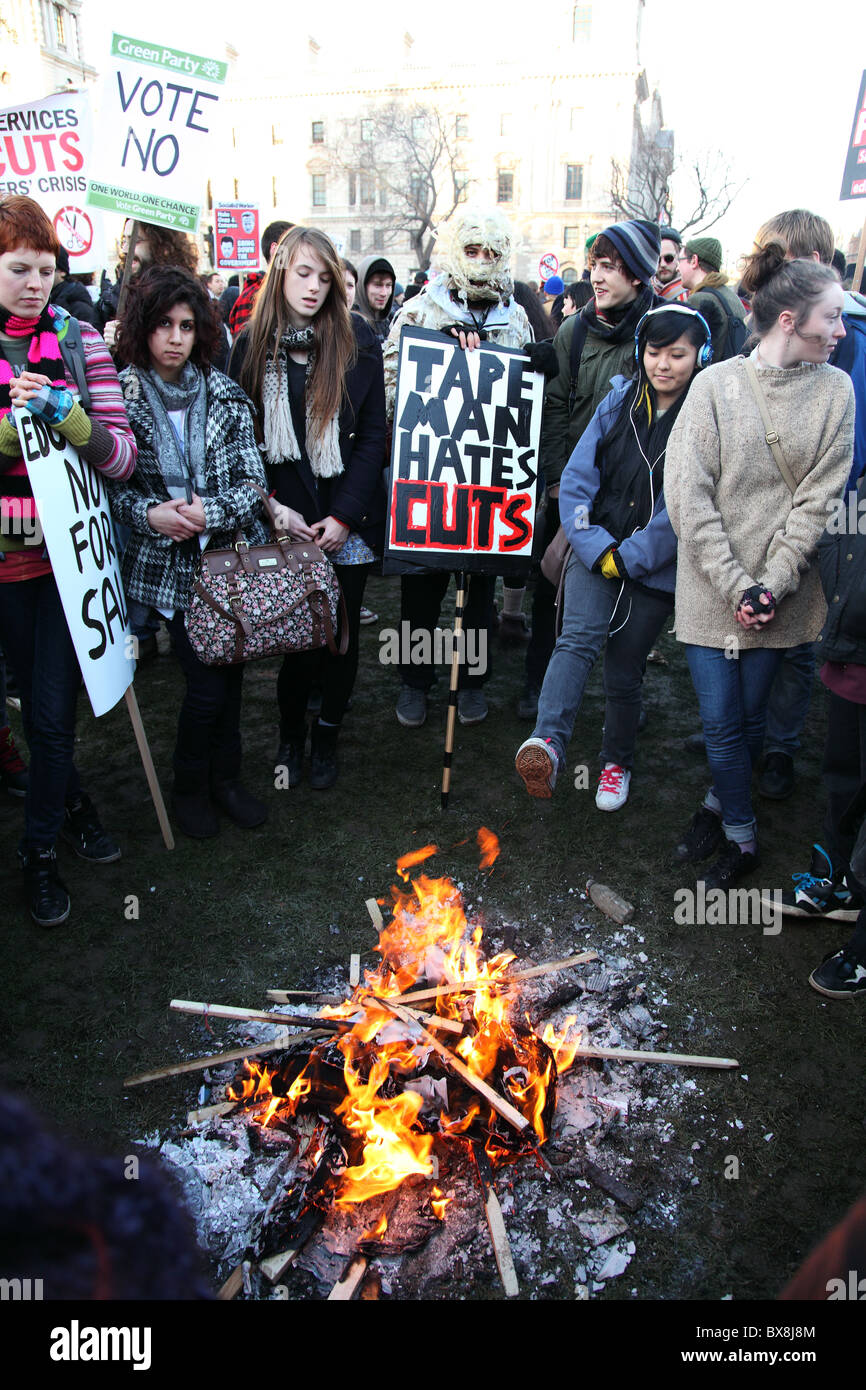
(239, 804)
(47, 895)
(195, 813)
(323, 759)
(290, 755)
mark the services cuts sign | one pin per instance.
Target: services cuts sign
(76, 524)
(45, 155)
(159, 108)
(464, 461)
(854, 178)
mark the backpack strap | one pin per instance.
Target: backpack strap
(72, 352)
(578, 338)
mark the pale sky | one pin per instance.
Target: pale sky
(766, 87)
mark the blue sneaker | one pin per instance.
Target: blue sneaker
(822, 892)
(840, 976)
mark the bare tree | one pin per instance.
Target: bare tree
(403, 166)
(643, 188)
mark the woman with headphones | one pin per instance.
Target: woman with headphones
(619, 580)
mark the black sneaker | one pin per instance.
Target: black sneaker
(47, 896)
(702, 838)
(731, 865)
(695, 743)
(776, 781)
(82, 830)
(822, 892)
(840, 976)
(195, 814)
(411, 707)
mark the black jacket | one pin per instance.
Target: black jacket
(842, 562)
(73, 297)
(357, 496)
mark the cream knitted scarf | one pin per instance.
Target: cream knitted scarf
(281, 444)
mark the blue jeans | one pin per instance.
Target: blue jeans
(39, 649)
(789, 699)
(591, 604)
(732, 695)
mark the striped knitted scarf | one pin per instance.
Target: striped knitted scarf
(43, 356)
(281, 444)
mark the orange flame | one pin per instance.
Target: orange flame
(439, 1202)
(415, 856)
(561, 1045)
(489, 846)
(376, 1232)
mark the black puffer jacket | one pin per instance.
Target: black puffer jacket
(73, 297)
(842, 562)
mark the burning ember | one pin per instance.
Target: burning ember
(392, 1079)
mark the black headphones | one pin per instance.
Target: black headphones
(705, 353)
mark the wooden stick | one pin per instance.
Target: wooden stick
(285, 996)
(209, 1112)
(275, 1266)
(345, 1288)
(502, 1107)
(501, 980)
(675, 1059)
(149, 769)
(452, 690)
(233, 1284)
(189, 1006)
(217, 1059)
(354, 970)
(375, 914)
(496, 1225)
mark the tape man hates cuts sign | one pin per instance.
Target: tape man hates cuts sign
(76, 523)
(464, 461)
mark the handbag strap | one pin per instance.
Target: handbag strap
(770, 434)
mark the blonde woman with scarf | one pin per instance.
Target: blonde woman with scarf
(314, 373)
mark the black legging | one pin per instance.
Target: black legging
(337, 673)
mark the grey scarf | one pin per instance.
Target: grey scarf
(183, 468)
(281, 444)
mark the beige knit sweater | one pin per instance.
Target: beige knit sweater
(737, 521)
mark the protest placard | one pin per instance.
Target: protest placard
(464, 460)
(159, 109)
(854, 178)
(236, 236)
(76, 524)
(45, 154)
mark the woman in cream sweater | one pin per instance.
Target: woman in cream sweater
(746, 586)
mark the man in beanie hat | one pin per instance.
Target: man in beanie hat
(591, 347)
(710, 292)
(667, 280)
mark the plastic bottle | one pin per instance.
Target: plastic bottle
(610, 903)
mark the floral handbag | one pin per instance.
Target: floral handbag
(264, 600)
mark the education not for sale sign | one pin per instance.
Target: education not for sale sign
(73, 510)
(464, 461)
(159, 109)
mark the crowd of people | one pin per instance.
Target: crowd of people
(699, 440)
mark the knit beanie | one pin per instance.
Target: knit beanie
(670, 234)
(553, 285)
(638, 247)
(707, 249)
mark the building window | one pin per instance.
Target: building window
(571, 236)
(378, 239)
(417, 186)
(276, 134)
(319, 191)
(505, 123)
(353, 190)
(505, 187)
(419, 128)
(461, 127)
(368, 191)
(60, 26)
(581, 23)
(366, 130)
(383, 196)
(274, 190)
(461, 185)
(355, 239)
(573, 183)
(318, 135)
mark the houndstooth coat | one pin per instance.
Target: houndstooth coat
(157, 570)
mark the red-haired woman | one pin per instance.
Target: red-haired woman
(314, 372)
(41, 372)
